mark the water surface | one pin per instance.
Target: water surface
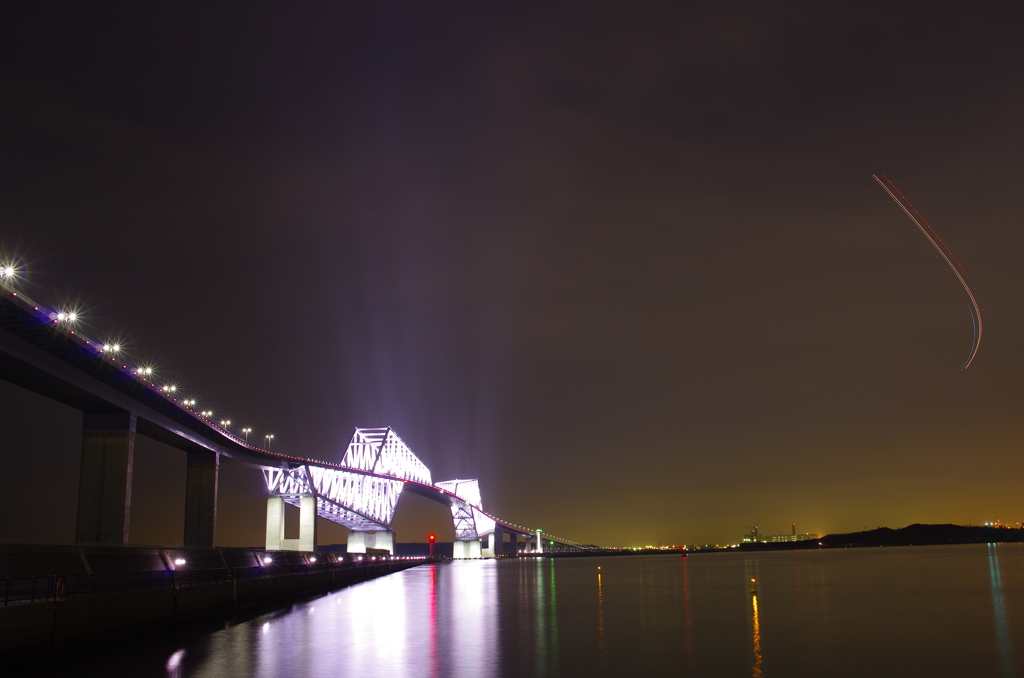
(907, 611)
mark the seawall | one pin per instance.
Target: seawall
(62, 612)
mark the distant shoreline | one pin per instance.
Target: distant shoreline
(912, 535)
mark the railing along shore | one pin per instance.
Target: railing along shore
(55, 587)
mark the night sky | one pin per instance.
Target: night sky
(623, 262)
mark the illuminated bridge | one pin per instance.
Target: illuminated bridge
(43, 350)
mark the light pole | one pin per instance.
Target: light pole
(246, 431)
(269, 437)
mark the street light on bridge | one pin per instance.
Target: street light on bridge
(269, 437)
(224, 423)
(246, 431)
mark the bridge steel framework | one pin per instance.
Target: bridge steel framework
(119, 402)
(362, 494)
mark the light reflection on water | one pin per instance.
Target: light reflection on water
(1005, 648)
(908, 611)
(600, 621)
(758, 659)
(429, 621)
(687, 624)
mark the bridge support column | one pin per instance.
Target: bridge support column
(466, 549)
(307, 523)
(201, 499)
(385, 541)
(496, 542)
(105, 479)
(358, 542)
(540, 543)
(275, 523)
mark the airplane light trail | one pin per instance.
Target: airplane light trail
(947, 256)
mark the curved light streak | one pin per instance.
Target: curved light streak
(946, 255)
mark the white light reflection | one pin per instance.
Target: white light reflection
(468, 606)
(376, 615)
(1003, 642)
(174, 664)
(424, 622)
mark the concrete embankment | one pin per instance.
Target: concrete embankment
(62, 611)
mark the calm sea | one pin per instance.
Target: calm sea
(907, 611)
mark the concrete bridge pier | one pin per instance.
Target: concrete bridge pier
(201, 499)
(495, 543)
(275, 523)
(540, 543)
(307, 525)
(466, 549)
(105, 479)
(358, 542)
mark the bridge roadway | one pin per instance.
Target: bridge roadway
(51, 358)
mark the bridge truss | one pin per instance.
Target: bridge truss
(362, 492)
